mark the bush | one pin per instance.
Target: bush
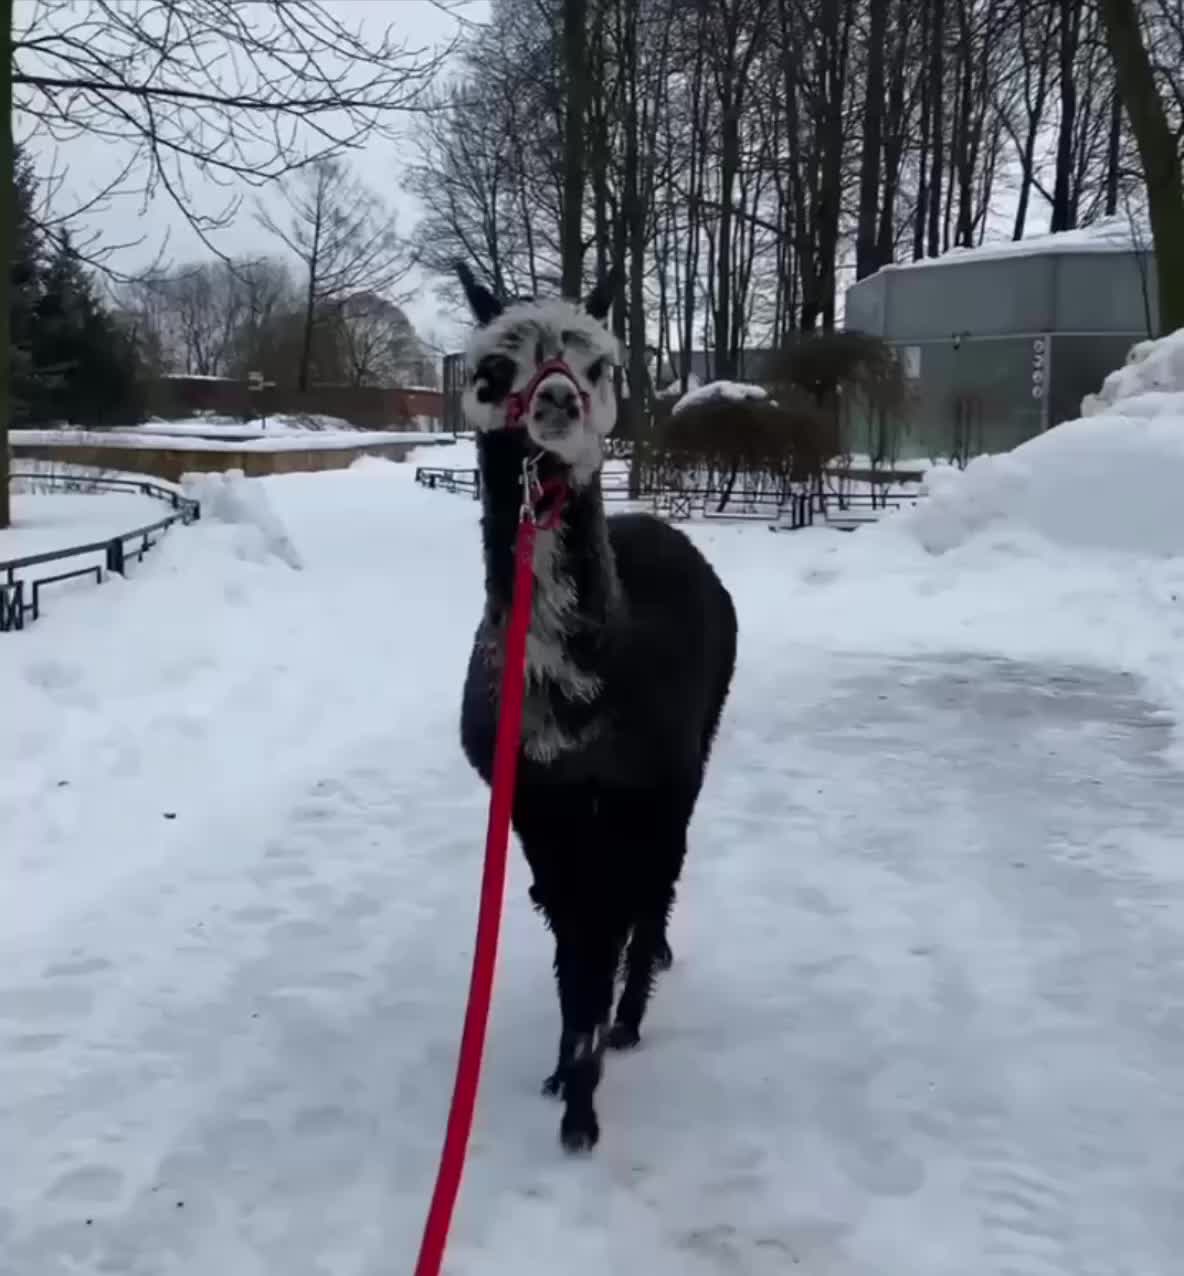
(769, 447)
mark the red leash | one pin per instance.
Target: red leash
(497, 839)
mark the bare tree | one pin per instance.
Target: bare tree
(575, 46)
(268, 295)
(247, 92)
(1159, 152)
(379, 342)
(344, 238)
(242, 93)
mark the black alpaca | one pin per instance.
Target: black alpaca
(630, 658)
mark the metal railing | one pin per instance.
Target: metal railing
(21, 597)
(835, 504)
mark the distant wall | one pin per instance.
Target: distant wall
(367, 407)
(172, 463)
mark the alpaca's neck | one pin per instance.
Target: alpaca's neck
(576, 587)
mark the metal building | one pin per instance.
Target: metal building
(1002, 342)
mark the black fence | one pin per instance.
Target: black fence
(20, 598)
(832, 498)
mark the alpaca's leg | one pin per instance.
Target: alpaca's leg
(586, 960)
(649, 949)
(649, 953)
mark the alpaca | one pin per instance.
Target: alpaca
(630, 657)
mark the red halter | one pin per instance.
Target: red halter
(519, 401)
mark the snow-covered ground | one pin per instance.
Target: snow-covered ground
(926, 1010)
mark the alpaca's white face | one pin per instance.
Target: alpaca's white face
(545, 367)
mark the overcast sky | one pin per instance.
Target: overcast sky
(90, 166)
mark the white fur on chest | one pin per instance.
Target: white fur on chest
(547, 657)
(548, 662)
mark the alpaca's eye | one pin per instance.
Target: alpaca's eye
(596, 371)
(493, 378)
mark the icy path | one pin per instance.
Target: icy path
(925, 1017)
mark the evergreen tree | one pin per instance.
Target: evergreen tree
(24, 284)
(70, 361)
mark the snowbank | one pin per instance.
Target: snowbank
(1152, 369)
(1111, 480)
(716, 391)
(230, 498)
(674, 389)
(1069, 548)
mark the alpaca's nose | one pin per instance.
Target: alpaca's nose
(557, 398)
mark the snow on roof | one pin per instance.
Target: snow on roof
(715, 391)
(1110, 235)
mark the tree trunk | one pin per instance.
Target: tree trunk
(729, 166)
(1062, 194)
(303, 373)
(920, 214)
(633, 214)
(866, 254)
(894, 143)
(575, 24)
(937, 139)
(6, 237)
(1113, 154)
(1162, 169)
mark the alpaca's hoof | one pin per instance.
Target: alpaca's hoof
(664, 958)
(553, 1085)
(623, 1036)
(579, 1131)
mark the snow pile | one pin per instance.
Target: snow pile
(1068, 549)
(674, 389)
(721, 391)
(230, 497)
(1110, 480)
(1153, 374)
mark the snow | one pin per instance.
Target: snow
(1107, 235)
(181, 440)
(214, 424)
(459, 454)
(675, 391)
(715, 391)
(48, 521)
(1147, 384)
(925, 1011)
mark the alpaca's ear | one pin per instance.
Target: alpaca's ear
(484, 305)
(600, 299)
